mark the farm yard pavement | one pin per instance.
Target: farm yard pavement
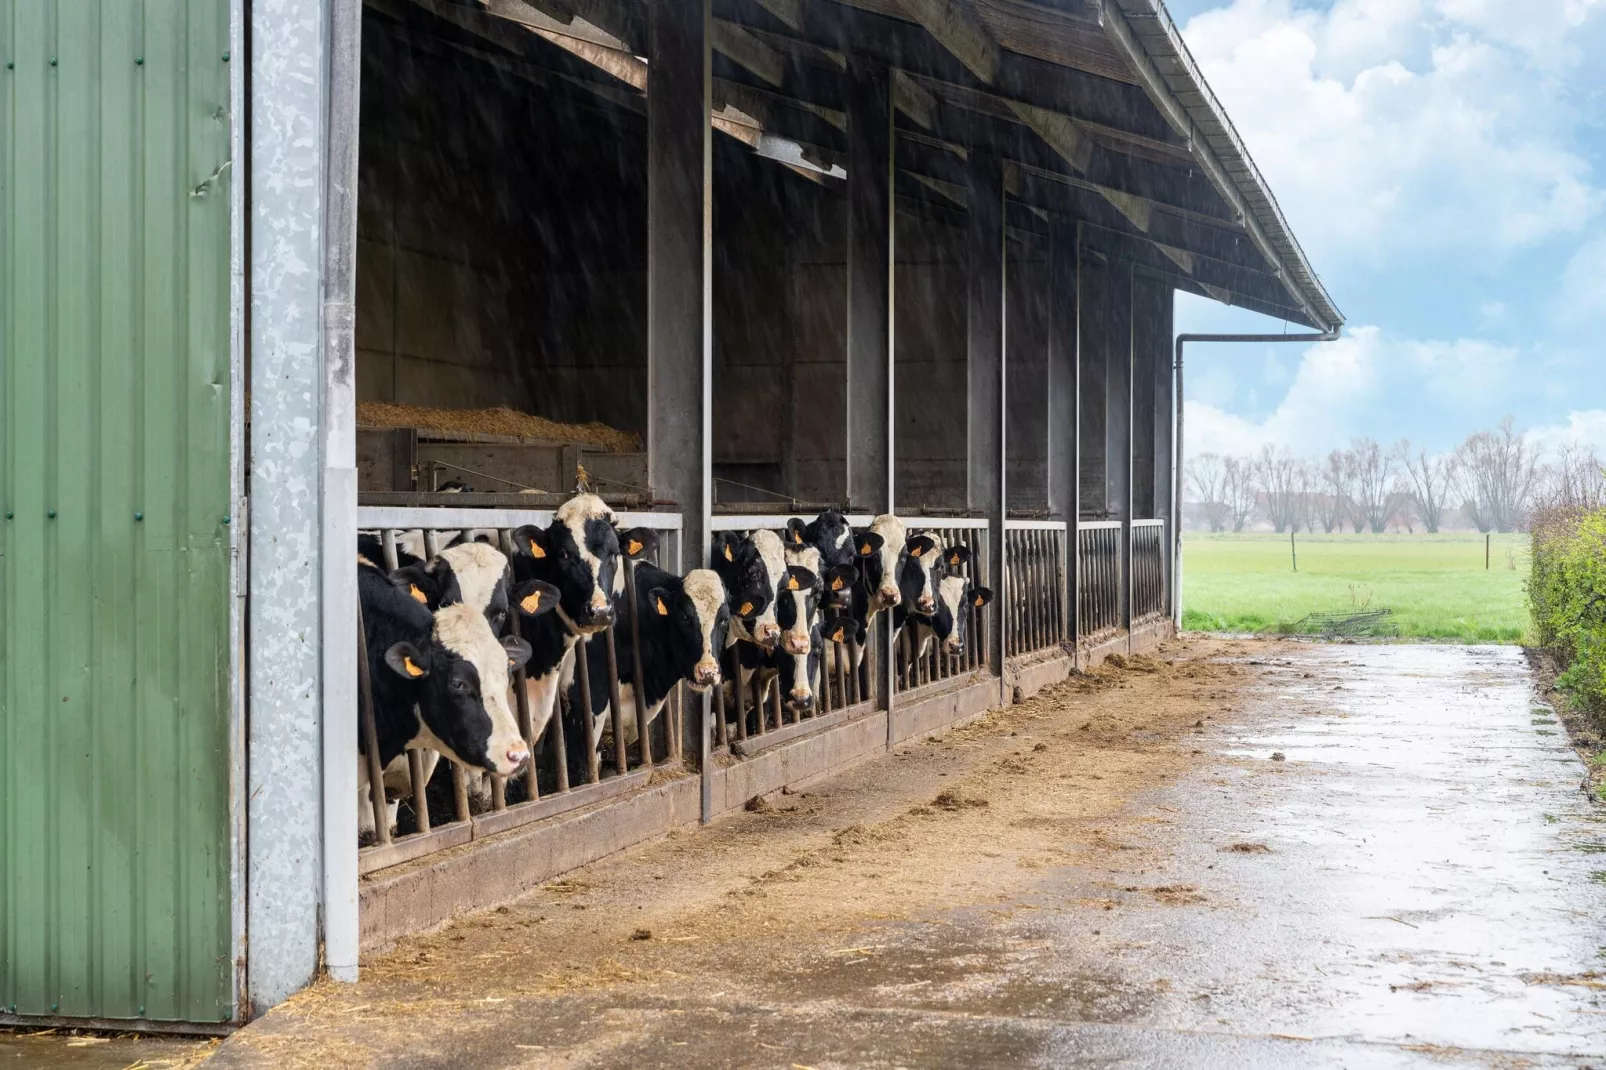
(1238, 853)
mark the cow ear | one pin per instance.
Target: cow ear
(754, 604)
(868, 543)
(535, 598)
(799, 578)
(837, 630)
(981, 596)
(841, 577)
(405, 660)
(921, 545)
(530, 541)
(638, 543)
(796, 532)
(518, 651)
(721, 549)
(419, 583)
(659, 599)
(958, 555)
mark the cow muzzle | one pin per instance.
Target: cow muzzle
(767, 634)
(797, 643)
(890, 594)
(599, 614)
(705, 675)
(513, 759)
(926, 604)
(801, 700)
(954, 647)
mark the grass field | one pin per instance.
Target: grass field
(1435, 586)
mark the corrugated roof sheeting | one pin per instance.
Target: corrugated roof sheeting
(1152, 27)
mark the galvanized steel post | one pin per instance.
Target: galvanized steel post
(985, 355)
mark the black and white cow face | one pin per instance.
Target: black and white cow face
(798, 672)
(922, 572)
(830, 534)
(579, 553)
(885, 560)
(461, 680)
(751, 567)
(699, 620)
(956, 598)
(797, 601)
(470, 573)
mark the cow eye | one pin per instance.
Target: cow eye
(459, 686)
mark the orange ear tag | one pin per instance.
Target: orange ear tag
(634, 548)
(536, 550)
(746, 610)
(418, 595)
(412, 669)
(663, 610)
(791, 584)
(531, 603)
(866, 550)
(728, 555)
(836, 584)
(916, 552)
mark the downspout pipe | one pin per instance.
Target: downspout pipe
(1180, 482)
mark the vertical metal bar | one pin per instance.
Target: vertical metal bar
(678, 728)
(719, 711)
(415, 780)
(616, 712)
(871, 265)
(432, 544)
(370, 736)
(582, 674)
(739, 692)
(521, 693)
(392, 558)
(704, 763)
(985, 346)
(775, 701)
(459, 793)
(644, 744)
(498, 792)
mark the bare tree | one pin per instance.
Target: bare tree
(1429, 481)
(1576, 479)
(1374, 477)
(1278, 473)
(1239, 490)
(1207, 474)
(1335, 483)
(1307, 496)
(1498, 471)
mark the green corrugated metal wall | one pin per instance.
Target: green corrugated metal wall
(114, 397)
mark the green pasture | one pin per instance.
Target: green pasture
(1435, 586)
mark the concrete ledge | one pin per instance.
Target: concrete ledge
(1095, 651)
(797, 760)
(1022, 681)
(418, 897)
(1146, 635)
(946, 709)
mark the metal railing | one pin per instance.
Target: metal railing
(838, 687)
(1148, 569)
(1034, 596)
(477, 804)
(911, 670)
(1099, 549)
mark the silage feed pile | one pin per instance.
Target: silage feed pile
(497, 421)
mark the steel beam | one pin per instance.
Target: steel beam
(870, 288)
(1063, 385)
(985, 356)
(680, 265)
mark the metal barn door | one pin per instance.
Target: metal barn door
(114, 481)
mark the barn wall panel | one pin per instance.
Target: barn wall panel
(114, 476)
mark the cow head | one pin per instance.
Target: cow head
(579, 554)
(830, 534)
(882, 556)
(471, 573)
(797, 673)
(957, 598)
(697, 618)
(752, 568)
(797, 601)
(461, 687)
(921, 574)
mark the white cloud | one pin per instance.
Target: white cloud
(1390, 126)
(1582, 297)
(1583, 428)
(1368, 383)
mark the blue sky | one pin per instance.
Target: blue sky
(1443, 163)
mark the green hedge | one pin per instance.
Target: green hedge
(1567, 593)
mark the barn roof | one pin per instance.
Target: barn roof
(1095, 107)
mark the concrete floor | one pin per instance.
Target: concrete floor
(1363, 856)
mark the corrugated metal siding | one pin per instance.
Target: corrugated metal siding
(114, 397)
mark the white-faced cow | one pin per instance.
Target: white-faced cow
(949, 621)
(684, 623)
(439, 680)
(752, 568)
(580, 554)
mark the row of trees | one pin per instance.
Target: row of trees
(1491, 482)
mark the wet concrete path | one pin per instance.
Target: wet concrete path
(1362, 856)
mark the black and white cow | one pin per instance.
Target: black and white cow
(475, 574)
(752, 568)
(684, 624)
(439, 680)
(949, 621)
(580, 554)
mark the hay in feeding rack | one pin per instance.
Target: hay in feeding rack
(498, 421)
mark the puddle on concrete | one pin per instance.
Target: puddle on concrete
(55, 1051)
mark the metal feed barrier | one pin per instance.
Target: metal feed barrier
(840, 692)
(1148, 569)
(912, 671)
(1099, 549)
(523, 800)
(1035, 615)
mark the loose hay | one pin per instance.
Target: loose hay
(497, 421)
